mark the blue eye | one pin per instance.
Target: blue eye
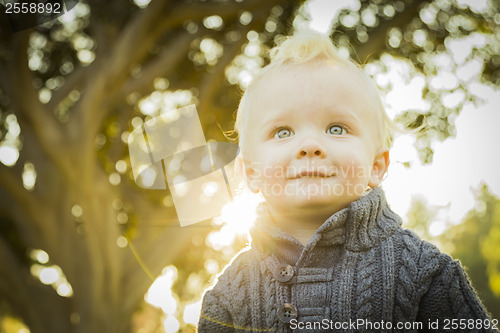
(283, 133)
(335, 130)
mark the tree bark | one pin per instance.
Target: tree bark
(108, 283)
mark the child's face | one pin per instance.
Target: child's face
(311, 135)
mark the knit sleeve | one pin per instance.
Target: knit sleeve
(215, 315)
(452, 303)
(225, 307)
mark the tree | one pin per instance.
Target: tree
(447, 41)
(69, 90)
(72, 89)
(473, 241)
(475, 244)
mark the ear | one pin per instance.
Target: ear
(379, 168)
(247, 172)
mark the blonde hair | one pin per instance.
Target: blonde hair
(305, 46)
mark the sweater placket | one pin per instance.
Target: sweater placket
(315, 282)
(305, 278)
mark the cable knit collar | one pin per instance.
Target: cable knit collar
(365, 223)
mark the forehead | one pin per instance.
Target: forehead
(310, 88)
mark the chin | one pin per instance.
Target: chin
(318, 202)
(310, 194)
(312, 201)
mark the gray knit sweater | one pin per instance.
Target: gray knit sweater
(360, 272)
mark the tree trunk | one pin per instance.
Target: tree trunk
(72, 211)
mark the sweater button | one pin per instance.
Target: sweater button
(284, 273)
(287, 312)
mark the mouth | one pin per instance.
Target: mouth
(313, 174)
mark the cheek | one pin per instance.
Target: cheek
(272, 172)
(272, 158)
(354, 163)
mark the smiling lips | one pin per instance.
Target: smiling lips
(313, 173)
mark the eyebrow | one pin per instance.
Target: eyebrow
(352, 120)
(282, 116)
(276, 116)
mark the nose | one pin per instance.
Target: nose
(311, 148)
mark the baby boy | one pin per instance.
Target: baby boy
(327, 252)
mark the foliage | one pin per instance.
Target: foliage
(476, 244)
(474, 241)
(71, 90)
(450, 42)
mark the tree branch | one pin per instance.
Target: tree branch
(109, 73)
(163, 64)
(33, 225)
(72, 81)
(226, 10)
(25, 202)
(11, 286)
(376, 42)
(180, 13)
(149, 26)
(36, 303)
(132, 41)
(31, 113)
(4, 81)
(11, 183)
(212, 83)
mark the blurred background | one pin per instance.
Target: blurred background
(84, 249)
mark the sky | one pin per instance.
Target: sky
(460, 164)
